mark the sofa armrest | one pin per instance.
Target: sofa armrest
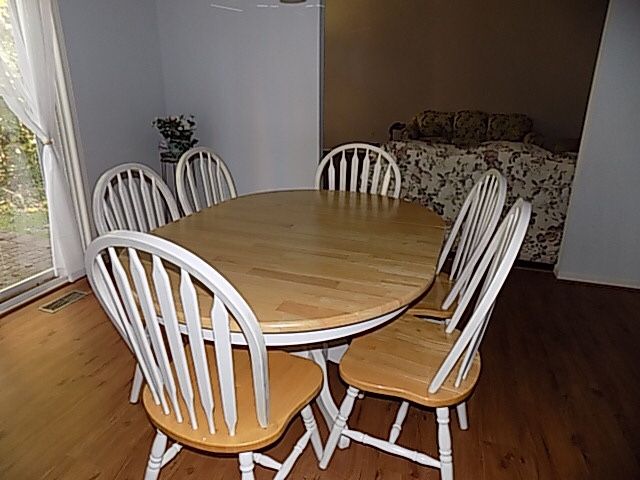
(533, 138)
(397, 126)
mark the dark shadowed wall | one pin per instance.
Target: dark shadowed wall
(387, 60)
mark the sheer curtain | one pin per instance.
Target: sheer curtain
(27, 83)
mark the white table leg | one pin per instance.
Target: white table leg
(325, 402)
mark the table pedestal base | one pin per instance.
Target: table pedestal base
(321, 353)
(325, 401)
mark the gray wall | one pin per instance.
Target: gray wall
(602, 232)
(251, 76)
(116, 77)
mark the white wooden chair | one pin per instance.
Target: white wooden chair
(132, 197)
(208, 396)
(202, 180)
(429, 363)
(472, 230)
(359, 167)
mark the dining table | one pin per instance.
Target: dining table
(315, 266)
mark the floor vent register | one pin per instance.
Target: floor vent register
(63, 301)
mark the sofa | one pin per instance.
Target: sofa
(441, 154)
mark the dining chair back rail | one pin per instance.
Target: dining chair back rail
(203, 180)
(476, 222)
(359, 167)
(489, 276)
(132, 197)
(148, 344)
(472, 229)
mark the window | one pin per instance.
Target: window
(25, 246)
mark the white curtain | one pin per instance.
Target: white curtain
(27, 83)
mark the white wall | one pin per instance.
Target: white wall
(602, 233)
(116, 77)
(251, 76)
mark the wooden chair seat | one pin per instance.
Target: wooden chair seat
(430, 303)
(293, 383)
(402, 358)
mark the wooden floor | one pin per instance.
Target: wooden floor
(558, 398)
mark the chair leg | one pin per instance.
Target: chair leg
(463, 421)
(246, 465)
(444, 444)
(338, 426)
(158, 448)
(311, 427)
(397, 424)
(136, 385)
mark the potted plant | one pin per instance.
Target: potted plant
(177, 136)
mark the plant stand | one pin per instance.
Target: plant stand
(168, 172)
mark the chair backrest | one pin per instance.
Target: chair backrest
(476, 221)
(133, 311)
(202, 180)
(132, 197)
(360, 167)
(494, 266)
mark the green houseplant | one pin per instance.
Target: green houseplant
(177, 136)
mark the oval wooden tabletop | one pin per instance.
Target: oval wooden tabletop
(307, 260)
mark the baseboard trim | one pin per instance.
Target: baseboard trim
(530, 265)
(31, 295)
(610, 282)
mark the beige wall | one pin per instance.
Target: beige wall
(385, 60)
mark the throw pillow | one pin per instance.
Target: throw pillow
(431, 123)
(511, 127)
(470, 126)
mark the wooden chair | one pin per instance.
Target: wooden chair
(132, 197)
(472, 230)
(202, 180)
(209, 396)
(359, 167)
(429, 363)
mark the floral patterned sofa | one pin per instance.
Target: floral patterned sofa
(439, 169)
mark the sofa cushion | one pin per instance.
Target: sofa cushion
(432, 124)
(470, 126)
(511, 127)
